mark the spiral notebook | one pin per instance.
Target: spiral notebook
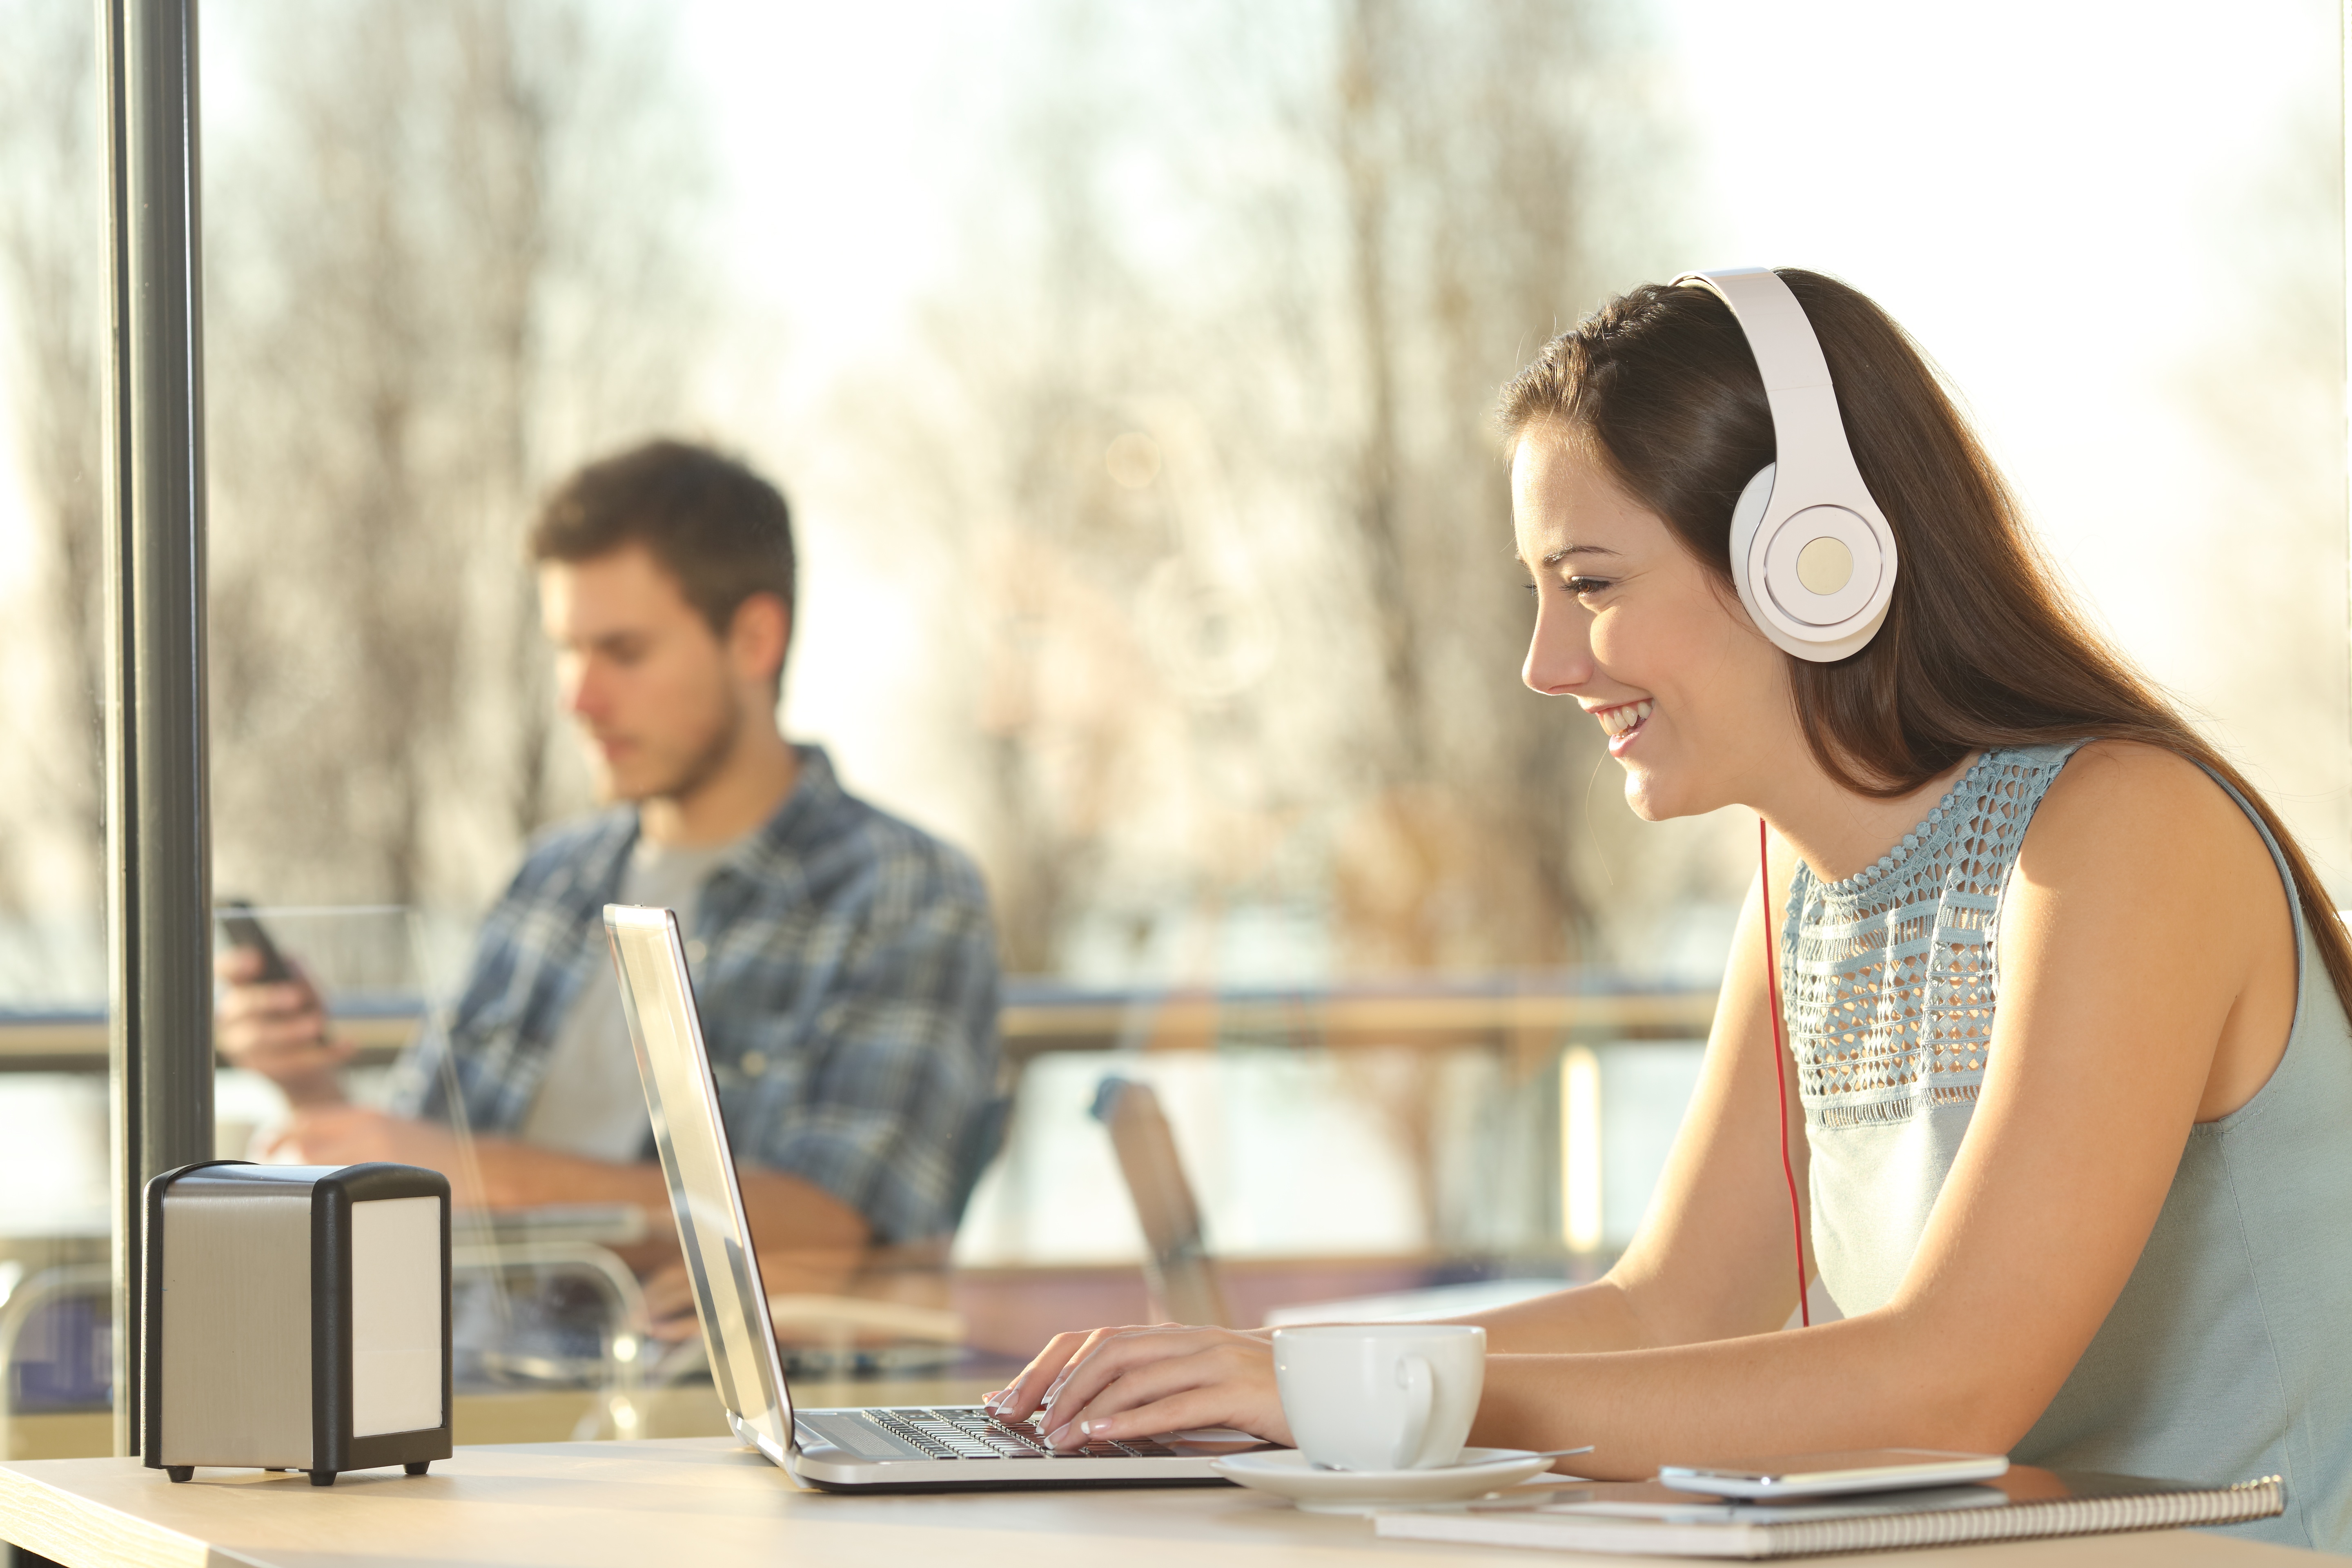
(1646, 1518)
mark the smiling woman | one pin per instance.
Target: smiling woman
(2067, 1014)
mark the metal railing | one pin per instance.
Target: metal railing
(1038, 1019)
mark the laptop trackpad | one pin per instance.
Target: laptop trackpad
(853, 1434)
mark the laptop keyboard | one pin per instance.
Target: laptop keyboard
(970, 1431)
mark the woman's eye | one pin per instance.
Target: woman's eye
(1579, 587)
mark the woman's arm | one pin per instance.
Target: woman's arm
(2146, 957)
(1714, 1258)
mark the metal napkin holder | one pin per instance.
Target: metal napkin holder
(295, 1318)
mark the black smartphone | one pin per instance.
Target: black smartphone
(246, 930)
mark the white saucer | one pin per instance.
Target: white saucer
(1286, 1472)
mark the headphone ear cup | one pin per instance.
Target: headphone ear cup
(1747, 517)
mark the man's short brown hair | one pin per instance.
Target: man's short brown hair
(723, 531)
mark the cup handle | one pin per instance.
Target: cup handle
(1419, 1385)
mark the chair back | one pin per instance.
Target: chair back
(1177, 1270)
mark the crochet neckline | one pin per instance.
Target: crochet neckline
(1925, 837)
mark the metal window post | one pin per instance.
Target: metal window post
(159, 850)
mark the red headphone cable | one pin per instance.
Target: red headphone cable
(1780, 1062)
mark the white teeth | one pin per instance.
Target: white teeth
(1625, 716)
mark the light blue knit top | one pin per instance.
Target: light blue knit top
(2228, 1354)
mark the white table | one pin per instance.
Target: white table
(702, 1502)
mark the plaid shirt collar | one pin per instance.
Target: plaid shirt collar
(810, 815)
(772, 851)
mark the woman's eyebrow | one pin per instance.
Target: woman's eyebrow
(1556, 556)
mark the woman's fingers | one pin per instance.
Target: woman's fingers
(1041, 1382)
(1088, 1349)
(1110, 1353)
(1143, 1354)
(1181, 1412)
(1074, 1421)
(1219, 1380)
(1024, 1393)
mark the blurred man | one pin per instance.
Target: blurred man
(842, 960)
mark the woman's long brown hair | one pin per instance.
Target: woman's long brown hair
(1980, 649)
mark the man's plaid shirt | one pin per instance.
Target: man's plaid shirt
(845, 971)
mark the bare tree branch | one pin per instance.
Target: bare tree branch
(50, 264)
(458, 258)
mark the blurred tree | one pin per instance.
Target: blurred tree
(1214, 456)
(453, 251)
(51, 274)
(1244, 463)
(1060, 464)
(1475, 190)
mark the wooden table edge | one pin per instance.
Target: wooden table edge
(68, 1528)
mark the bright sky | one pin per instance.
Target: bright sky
(2041, 192)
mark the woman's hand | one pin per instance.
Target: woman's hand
(1134, 1383)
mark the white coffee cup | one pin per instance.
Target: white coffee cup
(1380, 1396)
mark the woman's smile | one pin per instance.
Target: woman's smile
(1624, 721)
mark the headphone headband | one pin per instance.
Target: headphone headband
(1811, 554)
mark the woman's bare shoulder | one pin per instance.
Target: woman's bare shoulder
(2135, 777)
(2137, 815)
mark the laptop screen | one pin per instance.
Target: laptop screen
(699, 1168)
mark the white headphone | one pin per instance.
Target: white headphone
(1810, 551)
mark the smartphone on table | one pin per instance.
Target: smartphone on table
(1834, 1475)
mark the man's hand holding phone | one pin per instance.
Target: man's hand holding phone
(278, 1027)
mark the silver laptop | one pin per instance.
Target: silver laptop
(884, 1448)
